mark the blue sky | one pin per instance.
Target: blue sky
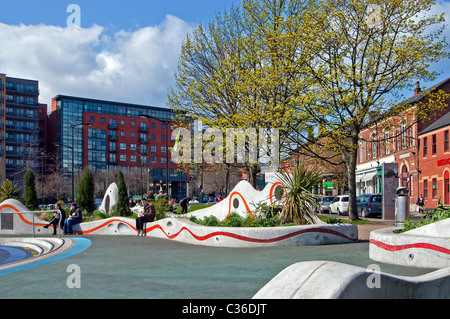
(124, 51)
(116, 14)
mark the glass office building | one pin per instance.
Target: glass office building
(108, 135)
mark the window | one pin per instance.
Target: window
(387, 148)
(367, 151)
(433, 146)
(153, 148)
(133, 147)
(122, 133)
(163, 149)
(122, 122)
(374, 146)
(133, 158)
(163, 160)
(123, 158)
(153, 159)
(403, 136)
(425, 147)
(360, 152)
(446, 142)
(434, 188)
(425, 189)
(123, 146)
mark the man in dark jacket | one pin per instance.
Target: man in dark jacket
(184, 204)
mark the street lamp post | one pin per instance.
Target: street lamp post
(167, 146)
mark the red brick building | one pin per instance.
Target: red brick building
(434, 156)
(399, 140)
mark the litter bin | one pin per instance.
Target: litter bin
(401, 205)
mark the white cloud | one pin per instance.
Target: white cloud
(129, 66)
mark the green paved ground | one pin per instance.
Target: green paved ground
(143, 267)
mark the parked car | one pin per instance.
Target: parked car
(369, 205)
(324, 202)
(339, 205)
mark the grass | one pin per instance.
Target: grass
(192, 208)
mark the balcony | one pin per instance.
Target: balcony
(113, 126)
(143, 140)
(112, 137)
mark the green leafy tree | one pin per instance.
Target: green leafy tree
(363, 53)
(85, 191)
(123, 208)
(30, 195)
(239, 70)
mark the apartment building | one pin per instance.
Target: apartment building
(20, 114)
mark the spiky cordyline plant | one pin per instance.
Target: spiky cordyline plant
(298, 201)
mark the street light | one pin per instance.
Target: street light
(73, 126)
(145, 116)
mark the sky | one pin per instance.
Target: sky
(123, 50)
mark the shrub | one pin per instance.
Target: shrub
(298, 202)
(30, 195)
(440, 213)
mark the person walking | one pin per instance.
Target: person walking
(75, 217)
(420, 203)
(146, 216)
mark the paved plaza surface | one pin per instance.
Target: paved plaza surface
(143, 267)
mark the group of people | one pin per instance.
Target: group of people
(59, 218)
(146, 215)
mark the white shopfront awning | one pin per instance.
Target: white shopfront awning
(368, 176)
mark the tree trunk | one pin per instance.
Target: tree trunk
(252, 172)
(351, 171)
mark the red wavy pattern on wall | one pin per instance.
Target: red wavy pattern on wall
(250, 239)
(21, 216)
(204, 237)
(225, 233)
(403, 247)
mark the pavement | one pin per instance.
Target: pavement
(130, 267)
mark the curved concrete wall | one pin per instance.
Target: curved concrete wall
(179, 229)
(243, 199)
(333, 280)
(424, 248)
(183, 230)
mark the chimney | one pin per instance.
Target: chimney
(417, 90)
